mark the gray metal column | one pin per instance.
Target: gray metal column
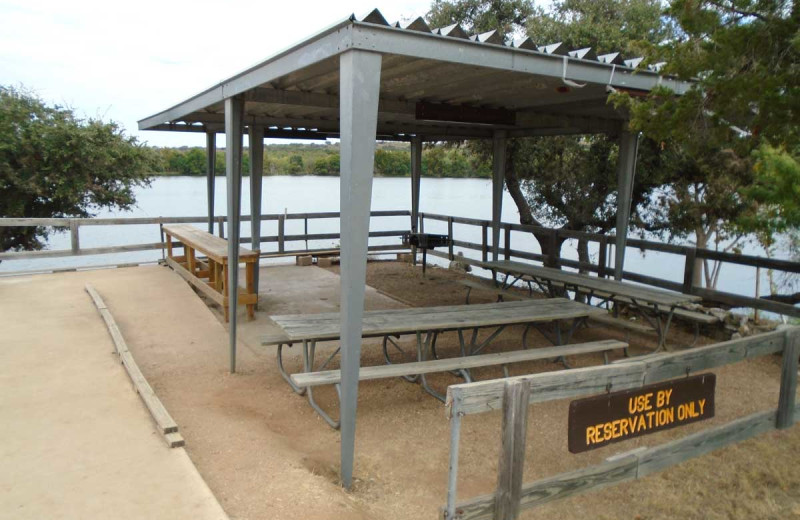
(234, 113)
(211, 166)
(498, 178)
(256, 171)
(626, 170)
(359, 86)
(416, 175)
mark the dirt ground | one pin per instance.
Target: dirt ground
(266, 454)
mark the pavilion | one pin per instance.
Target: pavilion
(363, 80)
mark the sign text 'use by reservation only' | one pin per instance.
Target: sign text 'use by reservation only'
(618, 416)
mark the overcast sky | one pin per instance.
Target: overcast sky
(124, 61)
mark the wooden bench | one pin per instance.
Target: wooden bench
(332, 377)
(499, 293)
(210, 274)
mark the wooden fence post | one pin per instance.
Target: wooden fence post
(485, 245)
(450, 234)
(508, 242)
(74, 237)
(786, 401)
(281, 224)
(221, 223)
(602, 258)
(512, 450)
(553, 248)
(688, 270)
(421, 222)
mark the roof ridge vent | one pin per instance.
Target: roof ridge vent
(524, 43)
(557, 49)
(453, 31)
(612, 58)
(488, 37)
(376, 17)
(633, 62)
(417, 24)
(583, 54)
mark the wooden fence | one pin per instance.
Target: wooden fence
(75, 224)
(513, 395)
(604, 265)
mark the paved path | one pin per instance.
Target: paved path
(75, 440)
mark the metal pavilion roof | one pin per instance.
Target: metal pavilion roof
(438, 83)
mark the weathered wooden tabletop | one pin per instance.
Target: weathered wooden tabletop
(613, 287)
(299, 327)
(215, 247)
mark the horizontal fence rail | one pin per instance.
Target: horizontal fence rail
(74, 225)
(603, 268)
(484, 396)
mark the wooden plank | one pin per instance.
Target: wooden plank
(635, 464)
(216, 248)
(399, 321)
(554, 488)
(186, 275)
(159, 414)
(611, 321)
(330, 377)
(484, 396)
(516, 395)
(786, 400)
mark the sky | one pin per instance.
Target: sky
(124, 61)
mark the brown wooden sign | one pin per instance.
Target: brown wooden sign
(604, 419)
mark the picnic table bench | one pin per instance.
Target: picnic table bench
(651, 303)
(210, 273)
(426, 324)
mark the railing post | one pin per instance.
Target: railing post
(602, 259)
(554, 248)
(422, 222)
(512, 450)
(281, 226)
(508, 242)
(688, 270)
(221, 222)
(450, 234)
(305, 229)
(485, 245)
(786, 401)
(74, 237)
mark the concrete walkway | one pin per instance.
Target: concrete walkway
(75, 440)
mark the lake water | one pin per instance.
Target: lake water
(186, 196)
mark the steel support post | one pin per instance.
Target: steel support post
(498, 176)
(234, 113)
(626, 170)
(359, 87)
(256, 139)
(211, 167)
(416, 175)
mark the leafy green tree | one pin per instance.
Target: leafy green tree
(566, 181)
(54, 164)
(739, 124)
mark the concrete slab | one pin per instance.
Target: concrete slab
(75, 440)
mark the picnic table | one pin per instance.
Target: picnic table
(425, 324)
(650, 302)
(210, 273)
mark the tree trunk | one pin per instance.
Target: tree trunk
(699, 265)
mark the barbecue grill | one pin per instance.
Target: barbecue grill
(425, 241)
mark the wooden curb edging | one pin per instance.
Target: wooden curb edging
(162, 418)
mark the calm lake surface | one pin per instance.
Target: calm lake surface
(186, 196)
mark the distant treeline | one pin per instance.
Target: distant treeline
(391, 160)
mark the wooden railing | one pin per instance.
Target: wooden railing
(513, 395)
(75, 224)
(604, 265)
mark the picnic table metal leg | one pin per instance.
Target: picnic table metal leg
(284, 374)
(309, 350)
(422, 348)
(385, 345)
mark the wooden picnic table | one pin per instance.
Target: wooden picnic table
(426, 323)
(650, 302)
(210, 274)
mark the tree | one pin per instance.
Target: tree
(54, 164)
(738, 124)
(567, 181)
